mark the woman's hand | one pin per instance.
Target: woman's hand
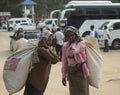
(64, 82)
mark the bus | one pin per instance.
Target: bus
(94, 10)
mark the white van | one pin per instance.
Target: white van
(50, 23)
(114, 28)
(85, 27)
(13, 21)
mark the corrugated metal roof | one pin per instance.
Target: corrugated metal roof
(28, 2)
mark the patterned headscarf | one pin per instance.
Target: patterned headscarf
(72, 29)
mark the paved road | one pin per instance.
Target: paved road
(110, 82)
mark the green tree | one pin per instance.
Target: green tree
(42, 7)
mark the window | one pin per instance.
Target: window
(23, 21)
(56, 22)
(10, 22)
(105, 24)
(92, 11)
(48, 22)
(17, 21)
(24, 24)
(116, 26)
(109, 11)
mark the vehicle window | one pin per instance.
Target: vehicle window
(23, 21)
(10, 22)
(17, 21)
(116, 26)
(56, 22)
(105, 24)
(92, 11)
(48, 22)
(109, 11)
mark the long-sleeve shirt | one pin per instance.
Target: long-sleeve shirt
(78, 50)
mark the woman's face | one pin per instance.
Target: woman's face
(70, 36)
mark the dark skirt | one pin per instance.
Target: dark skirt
(78, 85)
(30, 90)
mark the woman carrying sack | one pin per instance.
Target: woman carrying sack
(74, 63)
(39, 75)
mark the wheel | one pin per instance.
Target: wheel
(116, 44)
(86, 33)
(10, 28)
(20, 29)
(4, 27)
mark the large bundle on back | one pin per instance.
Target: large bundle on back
(17, 67)
(94, 60)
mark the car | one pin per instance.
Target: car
(114, 29)
(25, 26)
(85, 27)
(29, 35)
(13, 21)
(50, 23)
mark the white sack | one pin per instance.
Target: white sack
(95, 61)
(17, 67)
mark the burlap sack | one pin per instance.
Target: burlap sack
(17, 67)
(94, 60)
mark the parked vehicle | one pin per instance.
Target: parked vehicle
(24, 26)
(114, 28)
(50, 23)
(85, 10)
(13, 21)
(85, 27)
(97, 10)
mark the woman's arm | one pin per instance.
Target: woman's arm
(80, 47)
(64, 61)
(48, 55)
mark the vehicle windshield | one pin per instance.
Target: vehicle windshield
(105, 24)
(50, 22)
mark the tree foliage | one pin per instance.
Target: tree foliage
(42, 7)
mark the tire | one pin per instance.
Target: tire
(20, 29)
(4, 28)
(10, 29)
(86, 33)
(116, 44)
